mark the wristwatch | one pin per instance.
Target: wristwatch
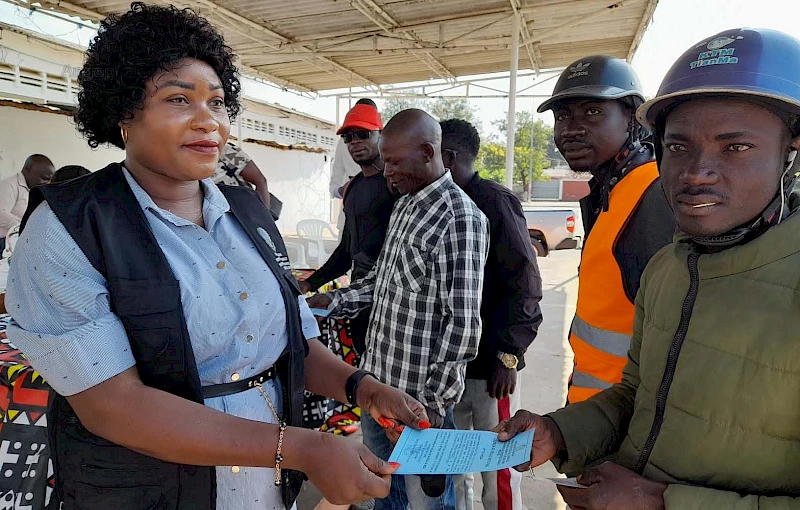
(509, 360)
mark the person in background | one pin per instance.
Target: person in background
(344, 168)
(368, 204)
(65, 173)
(162, 310)
(237, 168)
(707, 415)
(69, 172)
(512, 289)
(626, 217)
(425, 293)
(14, 191)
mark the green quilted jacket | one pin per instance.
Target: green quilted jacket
(710, 398)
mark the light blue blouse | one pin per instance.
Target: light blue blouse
(231, 300)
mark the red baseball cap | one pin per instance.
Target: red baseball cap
(362, 116)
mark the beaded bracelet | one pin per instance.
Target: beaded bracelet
(282, 426)
(278, 455)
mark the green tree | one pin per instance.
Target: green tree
(524, 154)
(491, 162)
(394, 105)
(442, 108)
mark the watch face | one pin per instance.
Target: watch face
(510, 361)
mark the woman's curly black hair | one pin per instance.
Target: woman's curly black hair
(132, 48)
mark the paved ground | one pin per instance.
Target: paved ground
(544, 381)
(549, 362)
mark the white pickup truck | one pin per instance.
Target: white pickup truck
(553, 227)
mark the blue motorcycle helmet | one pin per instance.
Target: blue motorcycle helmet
(757, 65)
(761, 65)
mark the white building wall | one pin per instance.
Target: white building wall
(32, 67)
(25, 132)
(298, 178)
(43, 71)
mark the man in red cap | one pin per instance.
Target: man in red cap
(343, 169)
(368, 204)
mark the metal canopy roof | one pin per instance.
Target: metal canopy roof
(313, 45)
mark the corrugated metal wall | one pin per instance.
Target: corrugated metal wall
(545, 190)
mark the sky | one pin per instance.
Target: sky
(676, 25)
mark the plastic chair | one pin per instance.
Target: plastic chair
(297, 254)
(313, 230)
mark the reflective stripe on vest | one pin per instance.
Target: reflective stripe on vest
(603, 325)
(607, 341)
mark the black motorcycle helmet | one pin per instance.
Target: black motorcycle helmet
(606, 78)
(597, 77)
(600, 77)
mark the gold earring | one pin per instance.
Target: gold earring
(124, 135)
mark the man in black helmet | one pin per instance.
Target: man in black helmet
(626, 217)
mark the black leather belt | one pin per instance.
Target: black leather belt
(221, 390)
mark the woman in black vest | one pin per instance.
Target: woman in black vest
(142, 292)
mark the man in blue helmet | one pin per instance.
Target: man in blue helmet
(707, 415)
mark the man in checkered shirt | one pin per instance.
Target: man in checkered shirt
(425, 290)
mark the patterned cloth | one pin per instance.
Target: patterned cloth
(425, 291)
(319, 412)
(326, 414)
(231, 163)
(26, 473)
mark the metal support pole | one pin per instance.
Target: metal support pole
(530, 169)
(338, 105)
(512, 100)
(350, 98)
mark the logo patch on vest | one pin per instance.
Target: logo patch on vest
(282, 259)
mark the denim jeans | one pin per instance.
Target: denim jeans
(406, 490)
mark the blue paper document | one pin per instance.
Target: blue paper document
(452, 452)
(319, 312)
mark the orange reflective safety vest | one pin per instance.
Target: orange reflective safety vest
(600, 335)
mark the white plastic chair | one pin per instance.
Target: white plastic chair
(313, 230)
(297, 255)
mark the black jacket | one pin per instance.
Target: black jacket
(104, 218)
(512, 287)
(368, 206)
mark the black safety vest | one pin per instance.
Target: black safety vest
(104, 218)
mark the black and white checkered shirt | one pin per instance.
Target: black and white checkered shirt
(425, 290)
